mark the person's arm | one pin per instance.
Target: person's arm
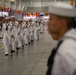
(2, 30)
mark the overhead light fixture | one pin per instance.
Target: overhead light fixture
(12, 0)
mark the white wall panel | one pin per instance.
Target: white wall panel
(35, 4)
(26, 4)
(46, 4)
(48, 0)
(35, 0)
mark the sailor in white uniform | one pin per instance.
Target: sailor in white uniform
(32, 29)
(29, 32)
(62, 60)
(26, 35)
(35, 32)
(11, 37)
(38, 29)
(41, 27)
(22, 32)
(18, 36)
(6, 37)
(14, 30)
(26, 32)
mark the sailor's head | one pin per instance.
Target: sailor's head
(61, 18)
(7, 19)
(19, 21)
(27, 21)
(1, 19)
(10, 26)
(12, 18)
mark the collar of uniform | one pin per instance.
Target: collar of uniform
(70, 34)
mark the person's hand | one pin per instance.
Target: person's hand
(12, 36)
(19, 33)
(24, 34)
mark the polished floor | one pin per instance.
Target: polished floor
(31, 60)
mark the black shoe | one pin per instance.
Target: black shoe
(32, 40)
(38, 38)
(29, 43)
(41, 32)
(18, 48)
(12, 51)
(25, 44)
(6, 54)
(22, 45)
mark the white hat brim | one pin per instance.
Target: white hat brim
(12, 16)
(7, 18)
(67, 12)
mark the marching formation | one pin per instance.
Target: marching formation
(17, 33)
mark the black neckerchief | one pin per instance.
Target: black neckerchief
(51, 59)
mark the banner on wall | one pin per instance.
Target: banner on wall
(37, 14)
(46, 14)
(41, 14)
(3, 14)
(28, 14)
(33, 14)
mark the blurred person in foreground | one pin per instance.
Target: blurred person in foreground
(62, 60)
